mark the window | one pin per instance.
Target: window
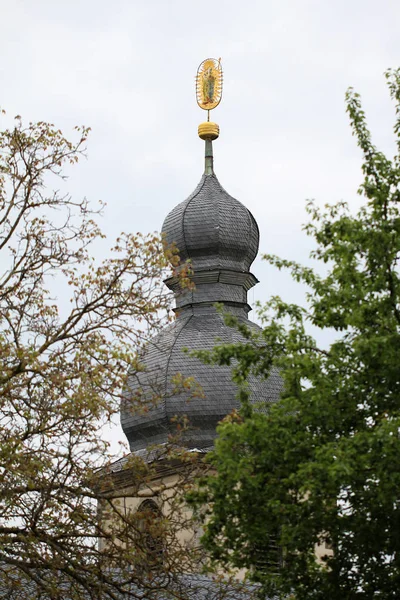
(151, 533)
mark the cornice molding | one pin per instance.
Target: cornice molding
(229, 276)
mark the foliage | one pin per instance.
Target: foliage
(322, 466)
(62, 368)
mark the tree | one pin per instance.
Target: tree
(62, 369)
(322, 466)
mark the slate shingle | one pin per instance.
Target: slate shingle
(220, 237)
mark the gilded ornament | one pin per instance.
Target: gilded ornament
(209, 83)
(208, 131)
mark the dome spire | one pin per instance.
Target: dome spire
(209, 94)
(219, 237)
(214, 231)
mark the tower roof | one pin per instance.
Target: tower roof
(219, 236)
(212, 229)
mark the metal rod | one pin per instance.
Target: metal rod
(209, 159)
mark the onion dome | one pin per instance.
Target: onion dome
(212, 229)
(220, 237)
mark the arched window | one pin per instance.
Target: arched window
(151, 533)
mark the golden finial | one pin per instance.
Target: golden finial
(208, 94)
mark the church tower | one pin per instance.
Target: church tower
(220, 238)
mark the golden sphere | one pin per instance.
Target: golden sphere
(208, 131)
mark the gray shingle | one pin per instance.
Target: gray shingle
(213, 229)
(183, 587)
(220, 237)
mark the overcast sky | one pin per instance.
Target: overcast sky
(126, 68)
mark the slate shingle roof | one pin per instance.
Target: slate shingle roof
(212, 229)
(164, 358)
(220, 237)
(183, 587)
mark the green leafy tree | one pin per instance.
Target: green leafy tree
(321, 469)
(62, 369)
